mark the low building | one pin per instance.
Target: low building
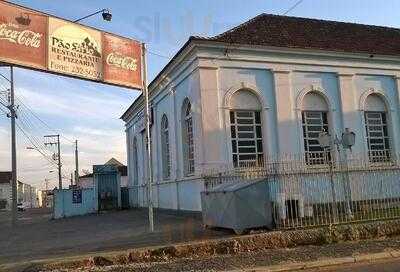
(46, 198)
(5, 190)
(26, 194)
(265, 89)
(86, 181)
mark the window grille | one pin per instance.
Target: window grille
(377, 136)
(189, 140)
(314, 122)
(246, 135)
(166, 162)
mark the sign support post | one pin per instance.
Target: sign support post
(76, 163)
(148, 141)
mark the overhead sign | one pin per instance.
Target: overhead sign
(74, 50)
(35, 40)
(23, 36)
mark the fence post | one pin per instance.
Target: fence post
(331, 174)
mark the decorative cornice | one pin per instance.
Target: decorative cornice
(363, 98)
(281, 71)
(345, 74)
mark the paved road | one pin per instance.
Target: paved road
(37, 236)
(382, 266)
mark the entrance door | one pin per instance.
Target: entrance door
(107, 182)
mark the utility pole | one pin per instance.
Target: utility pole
(13, 150)
(57, 142)
(76, 163)
(148, 141)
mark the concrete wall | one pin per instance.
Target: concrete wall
(63, 206)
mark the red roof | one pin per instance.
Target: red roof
(305, 33)
(302, 33)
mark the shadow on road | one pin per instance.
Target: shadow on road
(37, 236)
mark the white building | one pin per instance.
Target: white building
(87, 181)
(26, 194)
(5, 190)
(265, 88)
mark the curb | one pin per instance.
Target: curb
(365, 258)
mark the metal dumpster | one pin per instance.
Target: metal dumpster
(239, 206)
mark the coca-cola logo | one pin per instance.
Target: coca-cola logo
(121, 61)
(13, 34)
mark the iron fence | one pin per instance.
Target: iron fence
(343, 189)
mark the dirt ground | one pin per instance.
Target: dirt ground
(37, 236)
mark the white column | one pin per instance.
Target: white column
(396, 112)
(286, 134)
(351, 115)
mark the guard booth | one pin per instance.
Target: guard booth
(107, 181)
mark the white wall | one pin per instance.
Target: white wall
(280, 79)
(5, 193)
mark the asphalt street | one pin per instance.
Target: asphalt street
(381, 266)
(37, 236)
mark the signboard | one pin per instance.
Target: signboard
(23, 34)
(122, 60)
(35, 40)
(74, 50)
(77, 196)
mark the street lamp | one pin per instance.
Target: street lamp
(105, 13)
(347, 141)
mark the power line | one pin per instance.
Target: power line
(4, 111)
(158, 54)
(292, 7)
(41, 121)
(36, 144)
(32, 142)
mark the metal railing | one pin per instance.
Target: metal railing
(342, 190)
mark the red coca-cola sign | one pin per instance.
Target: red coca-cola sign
(121, 61)
(23, 35)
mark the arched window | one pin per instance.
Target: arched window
(187, 138)
(135, 162)
(376, 127)
(246, 132)
(314, 120)
(166, 163)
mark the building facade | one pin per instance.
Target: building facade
(264, 89)
(26, 194)
(87, 181)
(5, 190)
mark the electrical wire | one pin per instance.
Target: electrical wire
(29, 126)
(41, 120)
(4, 112)
(292, 7)
(34, 144)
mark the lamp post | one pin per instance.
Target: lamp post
(325, 141)
(105, 13)
(347, 141)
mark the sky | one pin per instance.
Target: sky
(89, 112)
